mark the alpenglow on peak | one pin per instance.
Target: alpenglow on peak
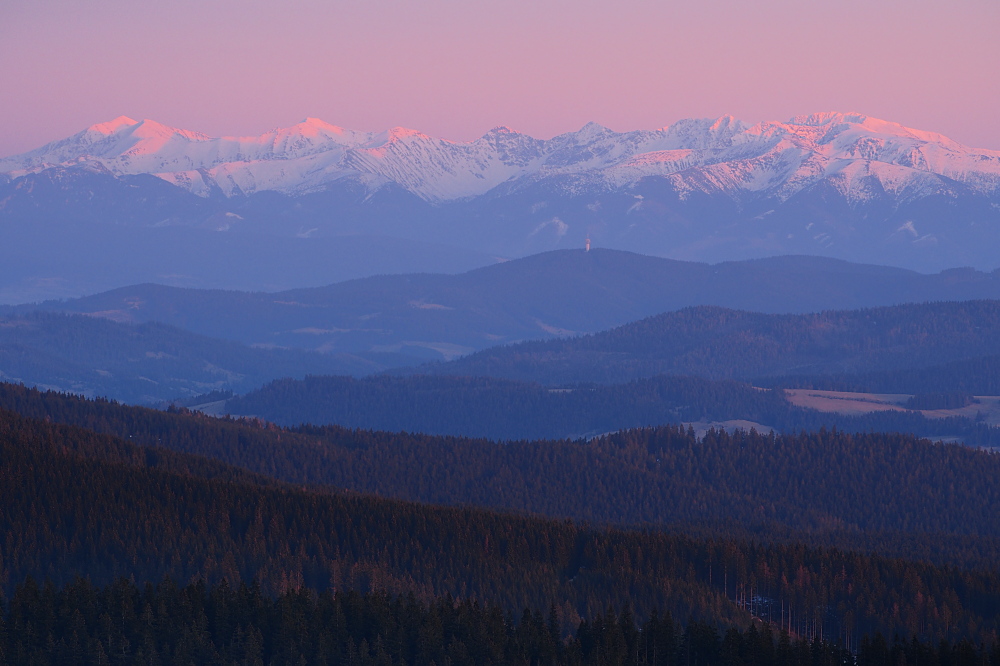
(715, 154)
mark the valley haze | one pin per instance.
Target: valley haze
(553, 294)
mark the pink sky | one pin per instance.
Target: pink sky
(455, 69)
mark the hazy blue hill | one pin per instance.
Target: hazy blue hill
(75, 231)
(40, 261)
(976, 376)
(542, 296)
(374, 324)
(502, 409)
(716, 342)
(147, 362)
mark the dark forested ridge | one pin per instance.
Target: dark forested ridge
(64, 513)
(728, 344)
(867, 490)
(150, 362)
(505, 409)
(71, 440)
(222, 625)
(976, 376)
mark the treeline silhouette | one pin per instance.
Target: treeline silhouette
(976, 376)
(956, 400)
(64, 512)
(719, 343)
(505, 409)
(120, 623)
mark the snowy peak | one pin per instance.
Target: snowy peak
(315, 126)
(150, 129)
(590, 132)
(724, 123)
(829, 118)
(501, 130)
(112, 126)
(309, 137)
(404, 133)
(711, 154)
(318, 130)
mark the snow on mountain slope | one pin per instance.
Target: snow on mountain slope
(783, 158)
(850, 150)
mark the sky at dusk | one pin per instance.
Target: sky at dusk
(455, 69)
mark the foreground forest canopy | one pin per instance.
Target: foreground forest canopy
(77, 502)
(820, 483)
(81, 624)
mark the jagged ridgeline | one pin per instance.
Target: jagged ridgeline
(848, 185)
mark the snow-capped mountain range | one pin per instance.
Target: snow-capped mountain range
(842, 185)
(711, 155)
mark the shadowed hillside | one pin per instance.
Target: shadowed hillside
(554, 294)
(131, 517)
(719, 343)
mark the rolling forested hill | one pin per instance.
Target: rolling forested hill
(548, 295)
(65, 511)
(394, 323)
(505, 409)
(719, 343)
(977, 376)
(883, 493)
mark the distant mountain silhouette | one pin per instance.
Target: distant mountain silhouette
(843, 185)
(148, 362)
(553, 294)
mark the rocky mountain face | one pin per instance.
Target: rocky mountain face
(835, 184)
(706, 156)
